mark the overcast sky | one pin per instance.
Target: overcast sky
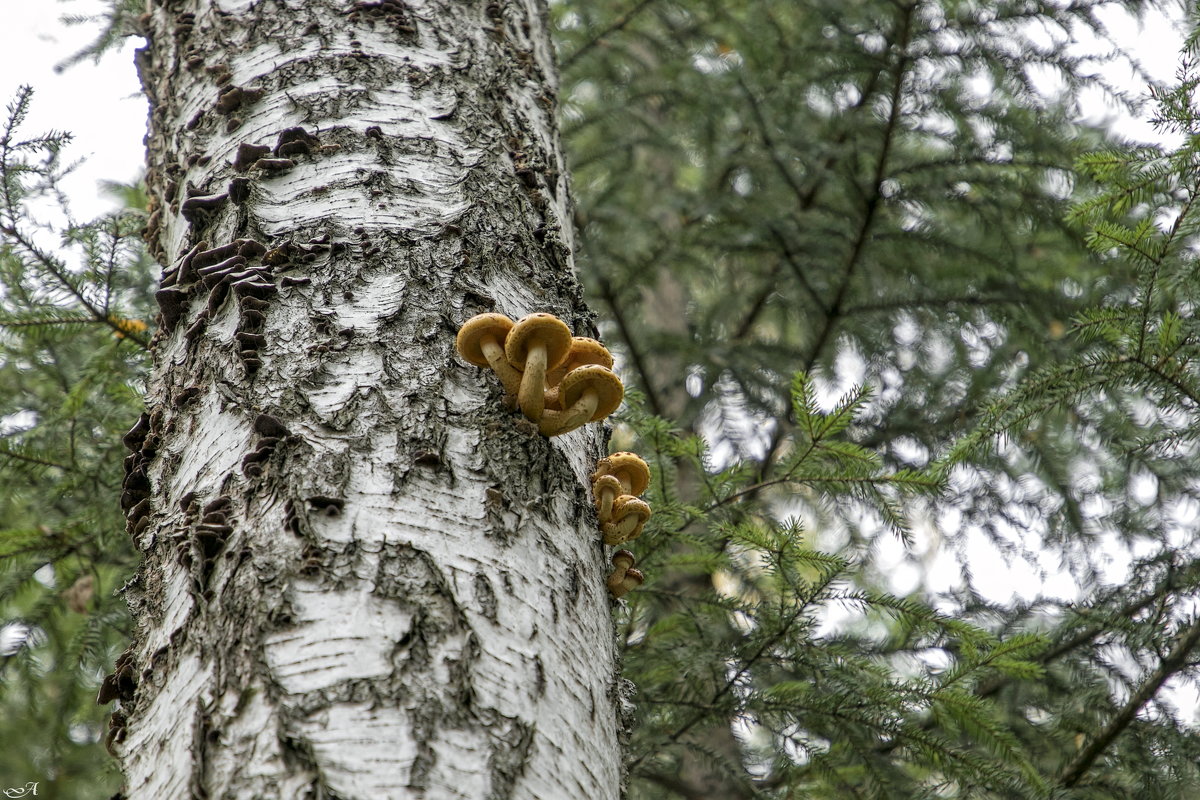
(100, 104)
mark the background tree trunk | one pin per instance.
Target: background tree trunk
(364, 576)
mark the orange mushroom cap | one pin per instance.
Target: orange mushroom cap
(584, 352)
(629, 516)
(473, 331)
(546, 328)
(587, 394)
(628, 468)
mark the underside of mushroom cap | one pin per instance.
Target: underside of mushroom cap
(474, 330)
(551, 331)
(604, 382)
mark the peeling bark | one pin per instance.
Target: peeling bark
(364, 577)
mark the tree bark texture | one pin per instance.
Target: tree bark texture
(364, 576)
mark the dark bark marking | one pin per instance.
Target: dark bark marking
(512, 743)
(485, 596)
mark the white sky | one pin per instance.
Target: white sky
(101, 104)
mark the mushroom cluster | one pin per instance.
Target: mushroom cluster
(561, 381)
(624, 577)
(617, 481)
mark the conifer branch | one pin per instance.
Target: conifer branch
(6, 452)
(834, 311)
(1147, 302)
(874, 197)
(760, 302)
(934, 303)
(58, 270)
(1175, 660)
(793, 262)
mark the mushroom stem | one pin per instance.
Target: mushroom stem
(616, 582)
(605, 490)
(493, 351)
(619, 532)
(554, 423)
(606, 502)
(633, 579)
(532, 393)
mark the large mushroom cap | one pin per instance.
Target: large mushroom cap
(627, 468)
(604, 382)
(588, 351)
(546, 328)
(473, 332)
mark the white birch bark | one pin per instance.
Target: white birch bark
(364, 577)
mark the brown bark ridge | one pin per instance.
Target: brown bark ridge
(364, 577)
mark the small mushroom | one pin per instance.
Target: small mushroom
(629, 515)
(481, 342)
(584, 351)
(628, 468)
(536, 343)
(588, 394)
(623, 561)
(605, 489)
(633, 579)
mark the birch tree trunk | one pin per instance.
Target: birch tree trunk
(364, 577)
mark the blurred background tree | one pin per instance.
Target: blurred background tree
(865, 194)
(74, 300)
(876, 193)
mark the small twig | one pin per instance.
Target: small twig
(617, 24)
(635, 355)
(6, 453)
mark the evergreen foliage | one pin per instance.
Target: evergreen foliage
(72, 354)
(877, 194)
(779, 203)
